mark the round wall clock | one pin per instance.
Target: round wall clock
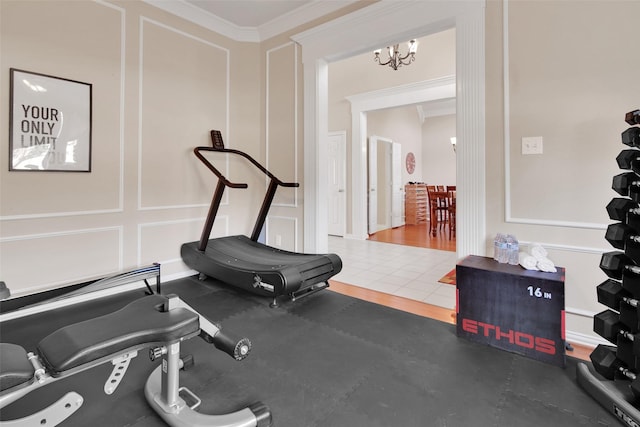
(411, 162)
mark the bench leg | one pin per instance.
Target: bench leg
(162, 392)
(52, 415)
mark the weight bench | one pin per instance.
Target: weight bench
(157, 322)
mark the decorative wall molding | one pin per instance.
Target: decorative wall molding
(54, 234)
(119, 208)
(446, 107)
(200, 221)
(295, 119)
(507, 146)
(294, 226)
(144, 20)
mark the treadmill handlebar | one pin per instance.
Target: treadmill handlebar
(214, 170)
(228, 183)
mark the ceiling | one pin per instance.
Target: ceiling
(250, 20)
(249, 13)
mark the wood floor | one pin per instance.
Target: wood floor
(418, 235)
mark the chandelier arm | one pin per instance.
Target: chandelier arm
(377, 59)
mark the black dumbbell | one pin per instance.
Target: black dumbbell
(620, 207)
(628, 159)
(607, 325)
(627, 184)
(632, 117)
(625, 210)
(626, 351)
(621, 236)
(630, 318)
(611, 294)
(631, 137)
(617, 265)
(609, 366)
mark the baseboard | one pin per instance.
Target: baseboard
(585, 340)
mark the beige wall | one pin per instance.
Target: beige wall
(571, 79)
(159, 85)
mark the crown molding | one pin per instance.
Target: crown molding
(299, 16)
(206, 19)
(263, 32)
(411, 93)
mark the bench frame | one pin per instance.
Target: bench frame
(162, 389)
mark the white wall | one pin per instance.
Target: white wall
(402, 125)
(438, 157)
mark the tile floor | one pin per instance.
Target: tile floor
(406, 271)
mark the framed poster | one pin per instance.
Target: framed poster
(49, 123)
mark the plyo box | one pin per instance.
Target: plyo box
(510, 308)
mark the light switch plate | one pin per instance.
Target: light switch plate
(532, 145)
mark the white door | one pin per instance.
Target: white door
(337, 206)
(397, 192)
(373, 185)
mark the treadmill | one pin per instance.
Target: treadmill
(246, 263)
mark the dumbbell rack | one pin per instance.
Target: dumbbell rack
(614, 377)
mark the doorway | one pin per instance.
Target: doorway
(369, 28)
(385, 195)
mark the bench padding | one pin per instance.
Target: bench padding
(140, 322)
(15, 367)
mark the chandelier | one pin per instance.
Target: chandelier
(395, 58)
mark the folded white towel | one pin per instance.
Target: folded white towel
(545, 264)
(538, 251)
(527, 261)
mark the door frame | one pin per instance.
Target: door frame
(342, 152)
(366, 29)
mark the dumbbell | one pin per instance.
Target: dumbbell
(628, 159)
(626, 351)
(607, 325)
(631, 137)
(615, 263)
(630, 318)
(627, 184)
(619, 207)
(632, 117)
(625, 210)
(621, 236)
(609, 366)
(612, 294)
